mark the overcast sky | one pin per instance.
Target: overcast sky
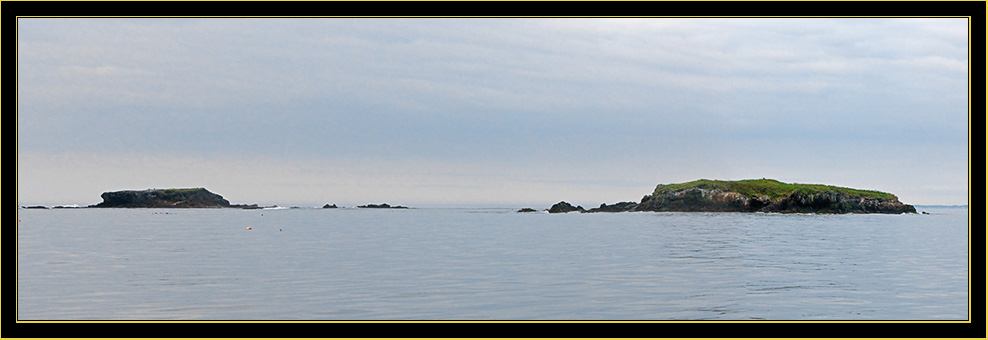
(489, 110)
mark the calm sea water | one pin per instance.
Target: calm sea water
(488, 264)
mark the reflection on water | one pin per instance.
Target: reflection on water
(488, 264)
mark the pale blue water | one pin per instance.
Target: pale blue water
(488, 264)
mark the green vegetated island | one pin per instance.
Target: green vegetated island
(755, 195)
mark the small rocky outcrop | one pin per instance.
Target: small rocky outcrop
(328, 206)
(564, 207)
(163, 198)
(524, 210)
(381, 206)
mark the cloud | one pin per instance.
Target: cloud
(672, 95)
(426, 66)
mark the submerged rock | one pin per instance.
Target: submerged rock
(523, 210)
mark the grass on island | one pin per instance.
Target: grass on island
(769, 187)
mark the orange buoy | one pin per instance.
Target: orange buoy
(249, 228)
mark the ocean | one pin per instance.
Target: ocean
(489, 264)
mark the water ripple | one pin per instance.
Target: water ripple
(458, 264)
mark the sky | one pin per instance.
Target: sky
(514, 111)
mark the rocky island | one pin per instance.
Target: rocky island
(165, 198)
(756, 195)
(381, 206)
